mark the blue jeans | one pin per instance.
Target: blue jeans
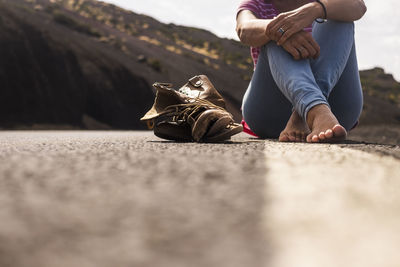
(281, 84)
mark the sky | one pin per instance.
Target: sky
(377, 33)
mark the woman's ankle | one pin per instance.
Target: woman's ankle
(314, 112)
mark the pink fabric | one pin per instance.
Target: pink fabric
(263, 10)
(247, 129)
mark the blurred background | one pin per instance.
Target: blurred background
(87, 64)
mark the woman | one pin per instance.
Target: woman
(306, 85)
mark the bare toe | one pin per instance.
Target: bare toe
(321, 136)
(339, 131)
(329, 133)
(315, 139)
(284, 138)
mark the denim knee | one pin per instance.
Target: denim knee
(348, 114)
(264, 123)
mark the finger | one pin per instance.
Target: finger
(273, 22)
(285, 24)
(290, 29)
(275, 31)
(293, 51)
(277, 34)
(311, 50)
(273, 34)
(273, 26)
(317, 50)
(294, 43)
(304, 52)
(278, 23)
(314, 44)
(304, 41)
(288, 33)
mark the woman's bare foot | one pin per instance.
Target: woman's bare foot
(324, 126)
(296, 130)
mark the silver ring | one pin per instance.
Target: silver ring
(281, 31)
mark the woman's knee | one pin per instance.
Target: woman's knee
(265, 123)
(265, 109)
(348, 114)
(334, 27)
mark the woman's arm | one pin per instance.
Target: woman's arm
(296, 20)
(345, 10)
(251, 30)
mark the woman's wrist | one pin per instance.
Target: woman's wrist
(317, 11)
(253, 32)
(267, 35)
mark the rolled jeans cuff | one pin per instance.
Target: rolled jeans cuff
(304, 108)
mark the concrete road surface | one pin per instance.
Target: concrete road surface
(130, 199)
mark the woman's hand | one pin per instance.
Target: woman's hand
(302, 45)
(281, 28)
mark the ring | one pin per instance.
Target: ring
(300, 50)
(281, 31)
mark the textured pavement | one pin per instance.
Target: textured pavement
(131, 199)
(331, 205)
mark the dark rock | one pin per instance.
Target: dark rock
(142, 58)
(47, 81)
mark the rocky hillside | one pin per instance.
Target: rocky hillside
(88, 64)
(64, 61)
(381, 97)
